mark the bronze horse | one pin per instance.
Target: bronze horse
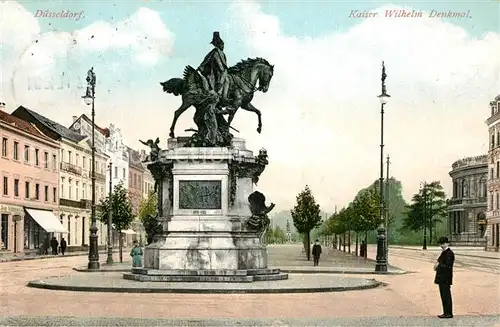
(242, 80)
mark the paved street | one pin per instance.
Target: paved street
(476, 292)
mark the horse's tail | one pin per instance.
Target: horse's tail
(176, 86)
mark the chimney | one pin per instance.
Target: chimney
(2, 105)
(75, 118)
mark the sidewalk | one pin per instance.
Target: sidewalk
(290, 259)
(11, 257)
(473, 252)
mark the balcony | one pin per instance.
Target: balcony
(493, 118)
(455, 201)
(82, 204)
(100, 177)
(70, 203)
(467, 201)
(71, 168)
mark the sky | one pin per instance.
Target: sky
(321, 115)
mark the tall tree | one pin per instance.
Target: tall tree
(121, 209)
(427, 208)
(366, 208)
(306, 216)
(148, 214)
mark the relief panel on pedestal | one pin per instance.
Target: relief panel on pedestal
(200, 194)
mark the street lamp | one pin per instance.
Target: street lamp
(381, 265)
(109, 260)
(424, 184)
(89, 99)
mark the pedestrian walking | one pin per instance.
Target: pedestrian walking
(63, 245)
(136, 255)
(444, 276)
(54, 244)
(316, 252)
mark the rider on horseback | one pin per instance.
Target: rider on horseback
(214, 68)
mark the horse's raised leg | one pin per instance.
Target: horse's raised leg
(184, 106)
(250, 107)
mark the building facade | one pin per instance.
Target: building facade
(135, 181)
(111, 143)
(29, 177)
(467, 207)
(75, 178)
(147, 177)
(493, 213)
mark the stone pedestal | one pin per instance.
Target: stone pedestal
(203, 206)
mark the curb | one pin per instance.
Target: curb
(111, 289)
(346, 272)
(284, 270)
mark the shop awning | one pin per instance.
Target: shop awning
(47, 220)
(128, 231)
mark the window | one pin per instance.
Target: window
(492, 173)
(46, 160)
(62, 155)
(84, 186)
(70, 157)
(46, 198)
(37, 163)
(116, 172)
(77, 159)
(139, 184)
(16, 150)
(497, 200)
(54, 194)
(16, 187)
(61, 194)
(54, 162)
(123, 173)
(84, 162)
(26, 153)
(37, 191)
(27, 190)
(4, 147)
(498, 169)
(69, 190)
(77, 192)
(492, 141)
(5, 185)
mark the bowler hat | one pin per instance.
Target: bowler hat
(443, 240)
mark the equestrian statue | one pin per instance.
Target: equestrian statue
(215, 89)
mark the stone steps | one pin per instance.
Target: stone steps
(203, 275)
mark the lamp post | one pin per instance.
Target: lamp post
(109, 260)
(387, 209)
(424, 247)
(381, 265)
(89, 99)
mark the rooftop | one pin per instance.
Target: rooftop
(22, 125)
(481, 160)
(103, 131)
(55, 127)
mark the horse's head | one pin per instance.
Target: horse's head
(266, 72)
(164, 85)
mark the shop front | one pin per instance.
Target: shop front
(11, 228)
(39, 227)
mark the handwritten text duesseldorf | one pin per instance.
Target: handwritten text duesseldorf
(403, 13)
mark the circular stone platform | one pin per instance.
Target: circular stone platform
(113, 282)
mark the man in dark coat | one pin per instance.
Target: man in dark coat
(316, 252)
(444, 276)
(63, 245)
(54, 244)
